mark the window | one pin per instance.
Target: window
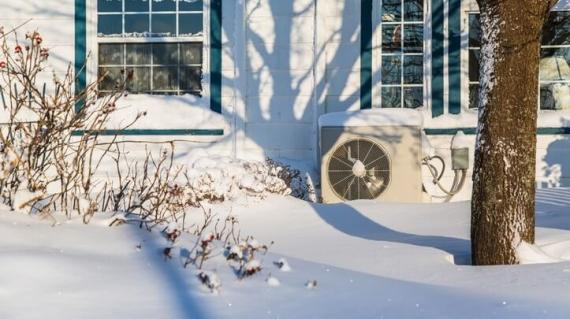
(554, 61)
(155, 45)
(402, 53)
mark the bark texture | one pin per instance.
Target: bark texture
(503, 202)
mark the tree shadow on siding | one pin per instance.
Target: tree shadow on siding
(553, 193)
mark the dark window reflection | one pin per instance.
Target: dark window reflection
(413, 10)
(111, 54)
(474, 31)
(138, 79)
(556, 30)
(391, 10)
(473, 95)
(191, 53)
(391, 70)
(413, 97)
(164, 24)
(190, 24)
(138, 54)
(165, 53)
(391, 97)
(474, 56)
(413, 69)
(109, 6)
(165, 5)
(190, 79)
(413, 38)
(112, 78)
(391, 38)
(165, 78)
(190, 5)
(136, 23)
(110, 25)
(137, 5)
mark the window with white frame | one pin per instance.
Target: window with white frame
(402, 23)
(153, 45)
(554, 61)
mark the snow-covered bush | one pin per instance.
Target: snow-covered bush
(49, 141)
(218, 178)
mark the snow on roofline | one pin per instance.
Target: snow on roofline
(373, 117)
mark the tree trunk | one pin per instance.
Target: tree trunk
(502, 209)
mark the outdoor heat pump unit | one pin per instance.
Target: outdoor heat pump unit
(371, 154)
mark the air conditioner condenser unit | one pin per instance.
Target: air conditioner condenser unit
(371, 154)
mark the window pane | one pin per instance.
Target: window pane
(191, 53)
(190, 24)
(391, 97)
(473, 96)
(136, 23)
(165, 53)
(413, 69)
(109, 6)
(165, 78)
(391, 38)
(554, 64)
(474, 31)
(112, 78)
(190, 79)
(164, 24)
(555, 96)
(138, 79)
(391, 66)
(474, 56)
(110, 54)
(138, 54)
(109, 25)
(413, 38)
(136, 5)
(546, 97)
(391, 10)
(556, 30)
(413, 97)
(190, 5)
(164, 5)
(413, 10)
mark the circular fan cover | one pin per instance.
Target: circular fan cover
(359, 169)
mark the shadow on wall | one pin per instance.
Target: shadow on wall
(556, 172)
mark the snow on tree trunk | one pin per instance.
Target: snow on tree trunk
(502, 211)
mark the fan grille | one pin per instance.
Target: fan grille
(359, 169)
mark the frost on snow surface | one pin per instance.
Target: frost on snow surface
(359, 259)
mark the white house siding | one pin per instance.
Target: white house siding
(281, 70)
(55, 20)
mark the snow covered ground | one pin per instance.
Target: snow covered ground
(369, 260)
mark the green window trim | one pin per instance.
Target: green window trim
(437, 53)
(80, 57)
(473, 131)
(454, 57)
(366, 28)
(157, 132)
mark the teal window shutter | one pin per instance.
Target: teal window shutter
(366, 54)
(437, 9)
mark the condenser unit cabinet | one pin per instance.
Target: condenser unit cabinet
(371, 154)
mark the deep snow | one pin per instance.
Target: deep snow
(368, 260)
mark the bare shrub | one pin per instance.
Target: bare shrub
(49, 135)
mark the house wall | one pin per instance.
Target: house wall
(284, 63)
